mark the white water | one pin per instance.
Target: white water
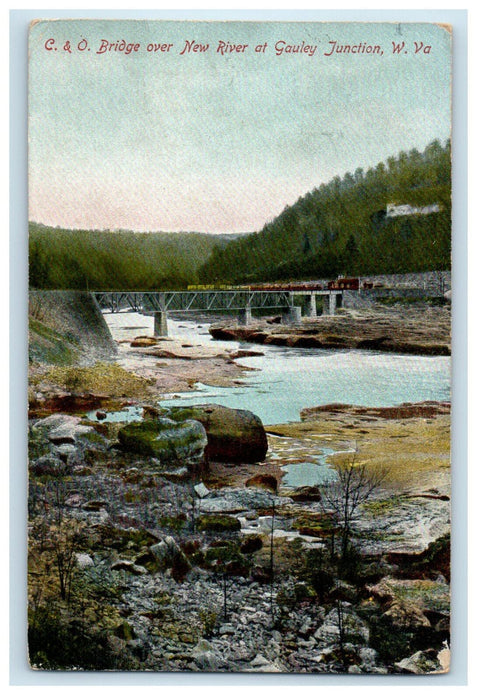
(290, 379)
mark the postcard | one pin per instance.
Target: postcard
(239, 347)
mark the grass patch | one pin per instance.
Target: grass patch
(381, 507)
(404, 448)
(101, 378)
(412, 301)
(49, 346)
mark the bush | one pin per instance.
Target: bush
(59, 641)
(219, 523)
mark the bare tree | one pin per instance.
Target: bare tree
(272, 562)
(354, 485)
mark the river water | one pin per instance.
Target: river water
(287, 380)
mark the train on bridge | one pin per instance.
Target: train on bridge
(352, 283)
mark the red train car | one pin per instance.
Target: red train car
(344, 283)
(287, 286)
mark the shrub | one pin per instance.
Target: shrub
(219, 523)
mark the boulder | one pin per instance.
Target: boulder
(352, 627)
(421, 662)
(168, 554)
(143, 342)
(251, 543)
(408, 602)
(83, 560)
(260, 664)
(233, 435)
(238, 500)
(406, 615)
(201, 490)
(61, 429)
(129, 566)
(218, 523)
(306, 494)
(267, 482)
(49, 466)
(206, 657)
(170, 441)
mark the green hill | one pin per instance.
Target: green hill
(101, 260)
(343, 228)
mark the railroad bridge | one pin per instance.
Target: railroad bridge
(243, 301)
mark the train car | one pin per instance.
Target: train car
(211, 287)
(344, 283)
(305, 287)
(287, 287)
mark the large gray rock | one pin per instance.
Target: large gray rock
(72, 328)
(168, 554)
(49, 466)
(206, 657)
(237, 500)
(61, 428)
(172, 442)
(353, 629)
(420, 663)
(233, 435)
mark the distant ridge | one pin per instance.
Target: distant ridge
(83, 259)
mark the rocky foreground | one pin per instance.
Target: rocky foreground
(416, 330)
(164, 549)
(172, 543)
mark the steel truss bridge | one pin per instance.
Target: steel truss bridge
(203, 300)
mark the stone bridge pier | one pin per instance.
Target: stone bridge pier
(292, 316)
(160, 324)
(310, 306)
(331, 302)
(244, 317)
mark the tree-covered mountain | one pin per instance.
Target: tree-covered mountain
(342, 227)
(75, 259)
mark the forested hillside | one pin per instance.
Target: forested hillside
(339, 228)
(342, 227)
(64, 259)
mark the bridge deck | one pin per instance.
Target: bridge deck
(209, 300)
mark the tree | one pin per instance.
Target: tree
(354, 485)
(39, 276)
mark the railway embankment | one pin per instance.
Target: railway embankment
(76, 365)
(67, 327)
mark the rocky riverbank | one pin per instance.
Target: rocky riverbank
(145, 368)
(174, 543)
(416, 329)
(181, 563)
(409, 444)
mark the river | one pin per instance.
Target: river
(287, 380)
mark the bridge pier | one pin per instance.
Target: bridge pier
(160, 324)
(245, 316)
(292, 315)
(310, 308)
(331, 302)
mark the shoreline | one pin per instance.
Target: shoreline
(414, 330)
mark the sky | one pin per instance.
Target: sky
(172, 139)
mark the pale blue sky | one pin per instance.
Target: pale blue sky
(219, 143)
